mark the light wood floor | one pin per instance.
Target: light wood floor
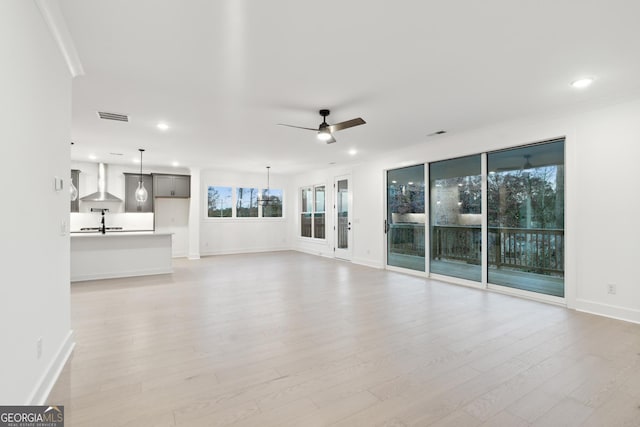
(289, 339)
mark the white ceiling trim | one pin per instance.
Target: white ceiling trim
(50, 10)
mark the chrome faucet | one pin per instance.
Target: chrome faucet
(103, 229)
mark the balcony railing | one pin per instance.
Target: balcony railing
(536, 250)
(406, 239)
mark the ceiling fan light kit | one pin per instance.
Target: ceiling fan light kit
(325, 130)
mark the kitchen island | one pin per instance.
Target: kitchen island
(119, 254)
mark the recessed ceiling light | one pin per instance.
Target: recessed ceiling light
(175, 164)
(582, 83)
(353, 152)
(92, 157)
(394, 182)
(135, 160)
(410, 182)
(163, 126)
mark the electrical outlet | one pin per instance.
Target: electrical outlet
(39, 347)
(611, 289)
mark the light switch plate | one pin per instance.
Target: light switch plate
(58, 183)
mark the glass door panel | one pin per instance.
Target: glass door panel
(456, 218)
(525, 190)
(406, 218)
(343, 219)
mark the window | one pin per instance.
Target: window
(247, 202)
(243, 202)
(274, 208)
(305, 214)
(219, 202)
(312, 212)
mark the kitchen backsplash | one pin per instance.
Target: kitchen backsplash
(128, 221)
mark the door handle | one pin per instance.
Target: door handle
(386, 226)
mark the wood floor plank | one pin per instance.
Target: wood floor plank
(567, 413)
(277, 339)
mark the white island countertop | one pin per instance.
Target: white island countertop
(119, 254)
(117, 233)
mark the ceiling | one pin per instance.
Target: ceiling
(223, 73)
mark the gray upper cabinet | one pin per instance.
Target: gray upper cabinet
(130, 184)
(172, 185)
(75, 179)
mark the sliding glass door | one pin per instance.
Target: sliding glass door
(406, 218)
(519, 220)
(525, 192)
(456, 217)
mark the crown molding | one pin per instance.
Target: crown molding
(50, 10)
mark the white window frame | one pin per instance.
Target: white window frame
(234, 200)
(312, 204)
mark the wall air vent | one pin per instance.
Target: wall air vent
(113, 116)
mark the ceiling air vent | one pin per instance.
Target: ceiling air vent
(113, 116)
(439, 132)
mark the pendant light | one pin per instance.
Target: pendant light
(266, 198)
(141, 192)
(73, 191)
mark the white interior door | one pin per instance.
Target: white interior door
(342, 219)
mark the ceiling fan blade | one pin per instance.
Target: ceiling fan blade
(297, 127)
(331, 140)
(348, 124)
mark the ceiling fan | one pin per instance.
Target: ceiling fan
(325, 130)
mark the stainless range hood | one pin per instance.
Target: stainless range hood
(101, 195)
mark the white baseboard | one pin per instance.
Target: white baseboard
(244, 251)
(316, 253)
(115, 275)
(50, 376)
(368, 263)
(612, 311)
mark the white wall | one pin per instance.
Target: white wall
(602, 155)
(237, 235)
(35, 105)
